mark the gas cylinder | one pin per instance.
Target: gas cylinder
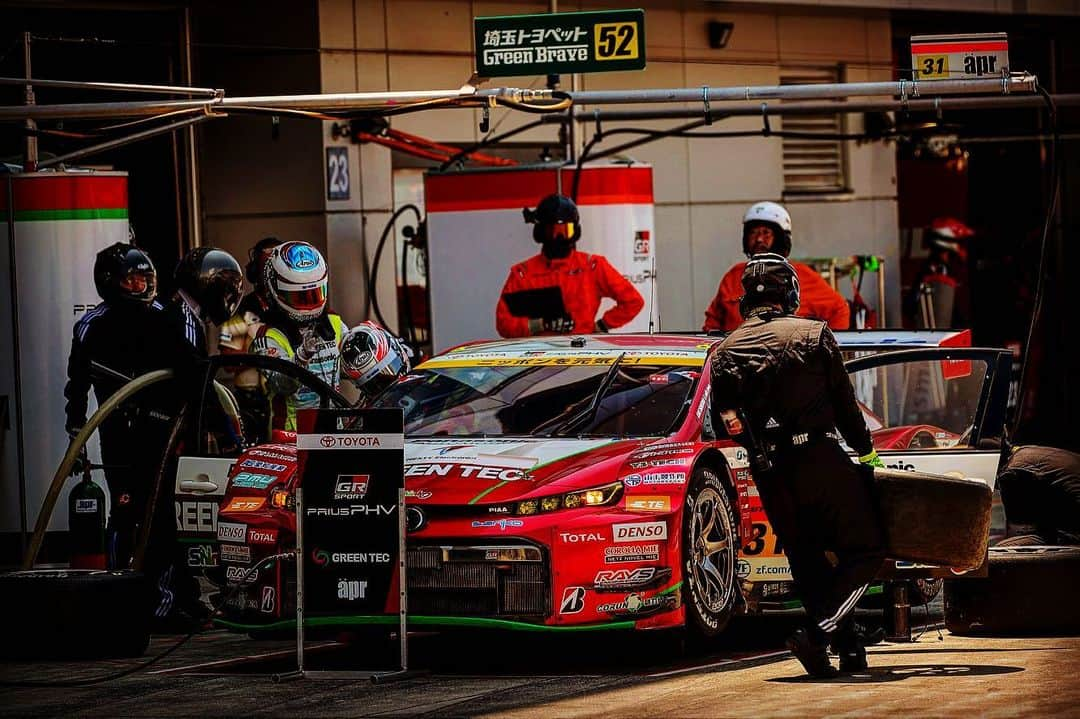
(86, 522)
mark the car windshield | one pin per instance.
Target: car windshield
(641, 399)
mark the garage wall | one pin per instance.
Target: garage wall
(702, 187)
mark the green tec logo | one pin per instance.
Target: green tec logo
(321, 557)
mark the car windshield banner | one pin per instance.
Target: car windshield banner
(351, 465)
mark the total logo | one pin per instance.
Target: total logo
(581, 537)
(351, 589)
(351, 486)
(260, 536)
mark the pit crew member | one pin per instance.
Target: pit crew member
(583, 279)
(786, 376)
(767, 228)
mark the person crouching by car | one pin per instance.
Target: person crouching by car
(780, 379)
(559, 290)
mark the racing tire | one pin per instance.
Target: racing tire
(710, 545)
(77, 614)
(1028, 590)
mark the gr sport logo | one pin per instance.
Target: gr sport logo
(573, 600)
(639, 531)
(351, 486)
(351, 589)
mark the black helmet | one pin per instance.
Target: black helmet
(257, 257)
(124, 273)
(555, 217)
(769, 278)
(213, 279)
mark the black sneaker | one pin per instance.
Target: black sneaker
(852, 660)
(868, 637)
(813, 656)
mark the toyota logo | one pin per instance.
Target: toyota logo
(327, 441)
(415, 519)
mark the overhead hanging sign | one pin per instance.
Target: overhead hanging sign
(560, 43)
(958, 57)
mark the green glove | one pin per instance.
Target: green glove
(872, 459)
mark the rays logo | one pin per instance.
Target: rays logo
(321, 557)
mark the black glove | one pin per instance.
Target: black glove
(559, 325)
(601, 326)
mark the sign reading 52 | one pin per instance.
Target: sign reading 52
(616, 41)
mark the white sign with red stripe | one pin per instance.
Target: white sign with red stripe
(476, 233)
(955, 57)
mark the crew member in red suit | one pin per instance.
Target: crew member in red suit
(583, 279)
(767, 228)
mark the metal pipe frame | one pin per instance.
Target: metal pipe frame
(816, 108)
(114, 86)
(906, 90)
(126, 140)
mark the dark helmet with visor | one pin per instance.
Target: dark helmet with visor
(124, 273)
(769, 279)
(555, 219)
(213, 278)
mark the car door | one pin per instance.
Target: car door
(938, 410)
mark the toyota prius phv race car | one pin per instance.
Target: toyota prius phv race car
(579, 482)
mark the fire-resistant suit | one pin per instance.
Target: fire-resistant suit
(817, 300)
(584, 280)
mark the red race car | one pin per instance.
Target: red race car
(578, 482)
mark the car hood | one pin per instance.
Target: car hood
(468, 471)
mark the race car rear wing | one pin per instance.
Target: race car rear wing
(879, 340)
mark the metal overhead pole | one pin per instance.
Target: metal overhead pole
(31, 126)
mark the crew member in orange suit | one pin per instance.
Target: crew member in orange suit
(583, 279)
(767, 228)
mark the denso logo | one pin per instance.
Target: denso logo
(229, 532)
(579, 537)
(639, 530)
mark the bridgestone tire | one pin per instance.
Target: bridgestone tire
(1030, 590)
(707, 491)
(75, 614)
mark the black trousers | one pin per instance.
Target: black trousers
(820, 507)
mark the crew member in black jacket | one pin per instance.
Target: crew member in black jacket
(786, 377)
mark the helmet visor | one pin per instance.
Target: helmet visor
(307, 300)
(564, 231)
(139, 285)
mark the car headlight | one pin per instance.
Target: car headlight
(596, 497)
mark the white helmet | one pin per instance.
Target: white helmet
(296, 280)
(775, 215)
(373, 358)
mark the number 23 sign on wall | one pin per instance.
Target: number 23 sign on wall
(337, 173)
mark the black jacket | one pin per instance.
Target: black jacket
(786, 373)
(128, 339)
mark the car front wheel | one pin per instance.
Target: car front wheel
(710, 545)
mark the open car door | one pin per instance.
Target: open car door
(936, 410)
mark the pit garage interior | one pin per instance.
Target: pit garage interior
(229, 182)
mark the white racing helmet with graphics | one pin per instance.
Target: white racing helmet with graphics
(373, 358)
(296, 280)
